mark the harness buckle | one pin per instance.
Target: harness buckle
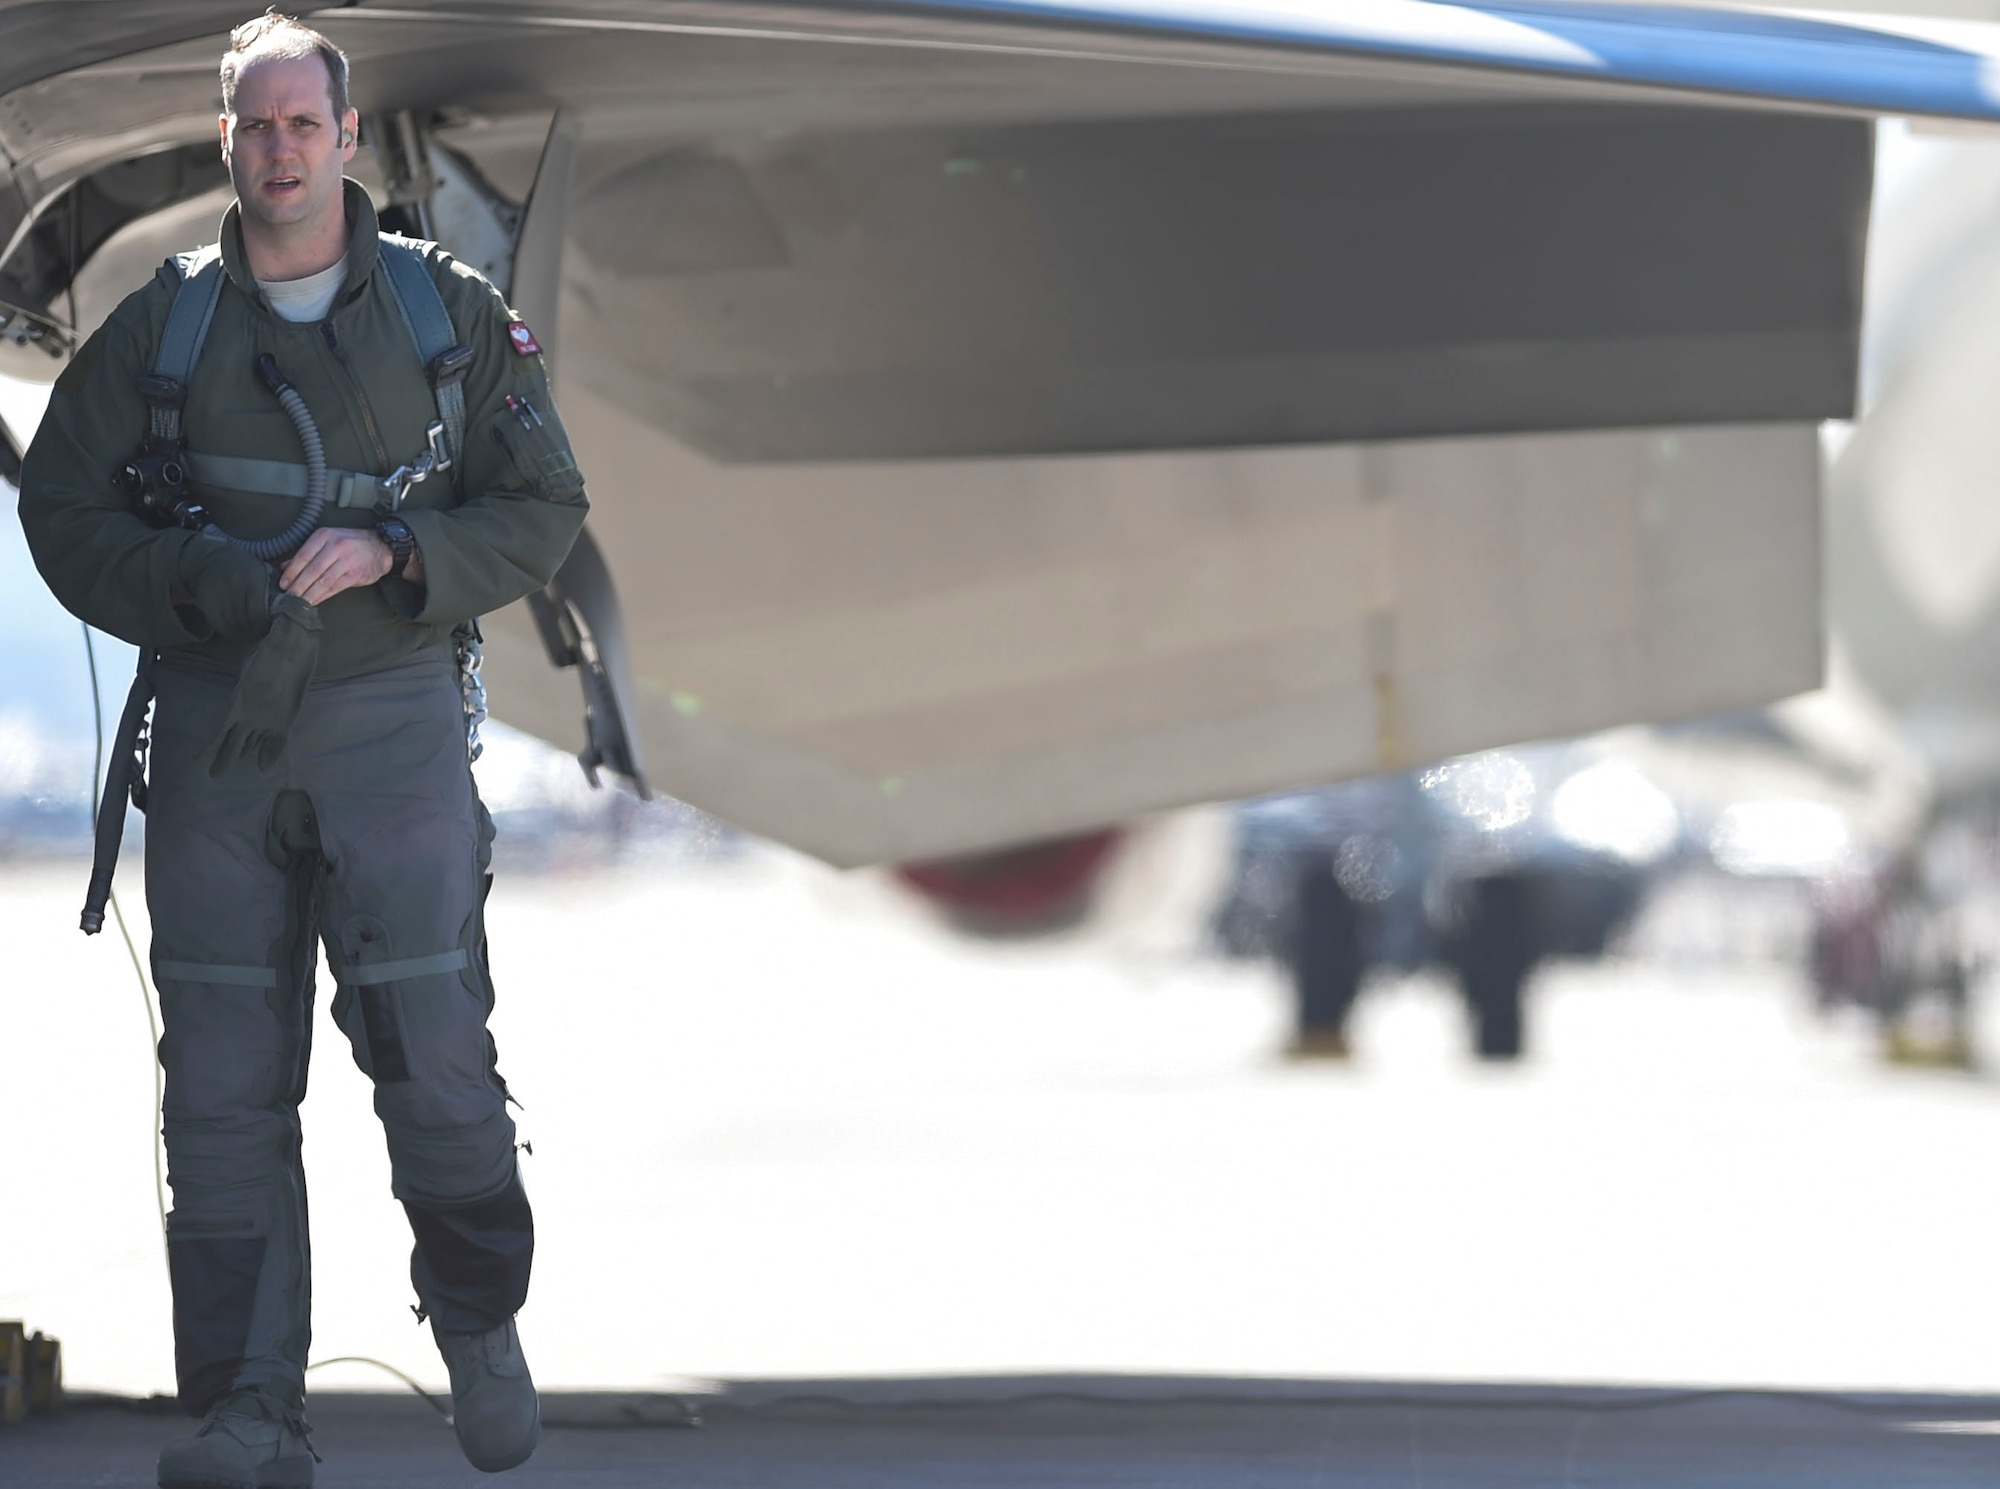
(396, 485)
(161, 391)
(449, 367)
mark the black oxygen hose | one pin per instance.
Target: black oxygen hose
(271, 549)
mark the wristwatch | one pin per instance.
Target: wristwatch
(402, 542)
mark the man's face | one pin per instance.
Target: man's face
(284, 146)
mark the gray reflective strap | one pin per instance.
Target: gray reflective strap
(416, 966)
(430, 324)
(186, 328)
(217, 973)
(344, 488)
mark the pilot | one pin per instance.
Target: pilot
(310, 774)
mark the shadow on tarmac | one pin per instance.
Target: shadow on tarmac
(1011, 1432)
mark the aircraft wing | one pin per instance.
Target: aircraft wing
(1756, 55)
(1882, 67)
(1005, 418)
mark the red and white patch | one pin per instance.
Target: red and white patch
(524, 341)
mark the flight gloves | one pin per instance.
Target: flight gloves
(231, 589)
(270, 690)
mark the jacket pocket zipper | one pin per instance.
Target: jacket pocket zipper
(354, 387)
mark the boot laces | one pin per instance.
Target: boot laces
(261, 1407)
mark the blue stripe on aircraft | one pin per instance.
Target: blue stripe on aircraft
(1754, 55)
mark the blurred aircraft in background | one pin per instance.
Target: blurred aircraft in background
(1881, 791)
(1008, 420)
(1487, 865)
(1492, 864)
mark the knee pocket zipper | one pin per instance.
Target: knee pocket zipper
(367, 978)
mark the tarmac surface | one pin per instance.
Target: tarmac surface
(1185, 1433)
(1063, 1214)
(1163, 1433)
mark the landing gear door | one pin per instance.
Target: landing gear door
(577, 615)
(581, 626)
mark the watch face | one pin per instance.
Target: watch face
(402, 542)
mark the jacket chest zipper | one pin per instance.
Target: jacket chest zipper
(360, 398)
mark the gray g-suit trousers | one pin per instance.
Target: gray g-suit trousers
(369, 838)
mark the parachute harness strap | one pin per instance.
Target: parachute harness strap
(180, 341)
(445, 359)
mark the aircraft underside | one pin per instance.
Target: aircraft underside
(998, 429)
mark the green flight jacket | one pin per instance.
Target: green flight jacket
(493, 534)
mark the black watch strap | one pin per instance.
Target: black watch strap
(402, 542)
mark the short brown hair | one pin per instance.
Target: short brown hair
(284, 38)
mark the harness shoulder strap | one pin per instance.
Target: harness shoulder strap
(201, 275)
(430, 326)
(186, 329)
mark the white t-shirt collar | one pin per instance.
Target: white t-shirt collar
(307, 299)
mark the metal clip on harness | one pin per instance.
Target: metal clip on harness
(396, 485)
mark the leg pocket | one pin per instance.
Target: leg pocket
(370, 1006)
